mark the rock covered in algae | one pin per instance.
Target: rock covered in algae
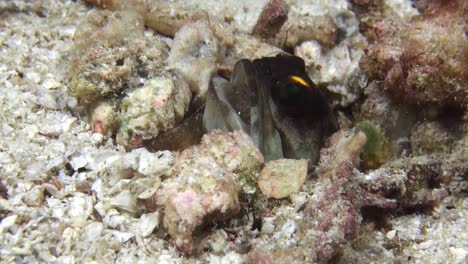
(201, 194)
(305, 24)
(154, 108)
(395, 119)
(331, 215)
(279, 178)
(430, 137)
(203, 188)
(119, 74)
(422, 61)
(235, 150)
(112, 54)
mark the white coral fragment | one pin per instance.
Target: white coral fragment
(195, 52)
(81, 207)
(7, 223)
(125, 200)
(147, 223)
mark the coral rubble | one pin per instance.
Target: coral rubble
(203, 188)
(103, 157)
(119, 78)
(331, 215)
(422, 60)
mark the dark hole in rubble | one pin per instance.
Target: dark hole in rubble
(375, 215)
(120, 62)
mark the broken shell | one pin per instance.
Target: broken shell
(81, 207)
(7, 222)
(125, 200)
(146, 187)
(34, 197)
(147, 223)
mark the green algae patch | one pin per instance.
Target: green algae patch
(376, 149)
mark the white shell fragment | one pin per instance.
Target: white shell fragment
(147, 223)
(125, 200)
(34, 197)
(7, 222)
(390, 234)
(81, 207)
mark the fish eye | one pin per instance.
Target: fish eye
(292, 94)
(298, 96)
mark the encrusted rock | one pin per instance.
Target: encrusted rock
(379, 108)
(273, 15)
(332, 214)
(235, 151)
(280, 178)
(422, 61)
(300, 28)
(117, 76)
(152, 109)
(111, 54)
(203, 188)
(201, 194)
(429, 137)
(104, 119)
(195, 52)
(243, 46)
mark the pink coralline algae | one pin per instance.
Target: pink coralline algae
(332, 215)
(203, 187)
(335, 203)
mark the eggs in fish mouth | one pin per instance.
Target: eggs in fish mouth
(276, 103)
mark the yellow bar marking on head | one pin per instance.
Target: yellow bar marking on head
(299, 80)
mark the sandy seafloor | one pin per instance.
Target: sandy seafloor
(39, 136)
